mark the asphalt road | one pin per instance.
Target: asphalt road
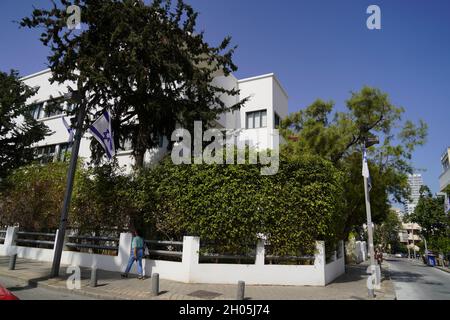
(25, 292)
(416, 281)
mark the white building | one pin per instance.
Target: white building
(444, 178)
(415, 182)
(255, 121)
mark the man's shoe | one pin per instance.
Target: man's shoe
(124, 275)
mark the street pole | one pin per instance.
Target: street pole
(369, 229)
(69, 187)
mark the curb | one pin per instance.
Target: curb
(101, 296)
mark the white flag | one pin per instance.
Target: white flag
(101, 129)
(365, 170)
(69, 130)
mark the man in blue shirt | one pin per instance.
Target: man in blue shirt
(136, 254)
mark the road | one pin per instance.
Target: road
(416, 281)
(26, 292)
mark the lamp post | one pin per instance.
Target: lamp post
(368, 142)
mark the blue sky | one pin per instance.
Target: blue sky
(318, 49)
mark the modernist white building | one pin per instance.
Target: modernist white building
(255, 121)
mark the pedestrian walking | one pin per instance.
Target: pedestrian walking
(136, 255)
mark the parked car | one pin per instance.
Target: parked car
(6, 294)
(399, 255)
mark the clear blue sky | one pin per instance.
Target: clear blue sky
(317, 49)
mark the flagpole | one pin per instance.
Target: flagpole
(59, 245)
(369, 227)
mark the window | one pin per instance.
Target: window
(276, 120)
(38, 111)
(54, 107)
(64, 152)
(256, 119)
(45, 154)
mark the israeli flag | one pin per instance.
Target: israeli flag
(365, 169)
(101, 130)
(69, 129)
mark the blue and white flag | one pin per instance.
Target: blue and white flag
(365, 169)
(101, 130)
(69, 129)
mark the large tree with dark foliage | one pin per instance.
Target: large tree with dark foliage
(145, 62)
(338, 136)
(18, 129)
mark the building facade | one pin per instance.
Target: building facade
(444, 178)
(415, 182)
(255, 122)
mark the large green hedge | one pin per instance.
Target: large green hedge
(230, 205)
(233, 204)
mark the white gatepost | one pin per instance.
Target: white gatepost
(260, 253)
(320, 260)
(124, 250)
(191, 248)
(10, 240)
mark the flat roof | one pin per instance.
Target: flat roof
(268, 75)
(35, 74)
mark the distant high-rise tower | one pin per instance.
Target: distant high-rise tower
(415, 181)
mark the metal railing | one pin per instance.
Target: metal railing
(164, 250)
(2, 236)
(93, 244)
(296, 259)
(35, 239)
(218, 253)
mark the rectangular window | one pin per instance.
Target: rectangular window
(54, 107)
(38, 111)
(45, 154)
(64, 152)
(256, 119)
(276, 120)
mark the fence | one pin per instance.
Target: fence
(184, 261)
(2, 236)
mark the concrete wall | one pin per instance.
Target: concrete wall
(189, 270)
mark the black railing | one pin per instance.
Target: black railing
(211, 252)
(298, 258)
(2, 236)
(35, 239)
(164, 250)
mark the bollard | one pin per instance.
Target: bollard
(240, 290)
(155, 284)
(93, 283)
(12, 261)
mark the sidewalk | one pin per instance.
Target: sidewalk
(350, 286)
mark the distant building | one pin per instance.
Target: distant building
(444, 178)
(415, 182)
(410, 234)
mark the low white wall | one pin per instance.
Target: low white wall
(335, 268)
(190, 270)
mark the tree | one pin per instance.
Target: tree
(339, 139)
(146, 63)
(430, 215)
(387, 234)
(18, 129)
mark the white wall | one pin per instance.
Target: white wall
(190, 270)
